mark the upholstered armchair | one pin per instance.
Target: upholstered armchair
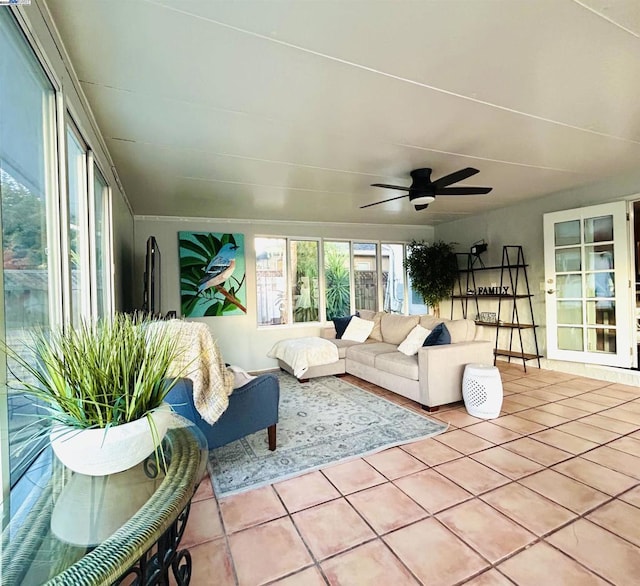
(252, 407)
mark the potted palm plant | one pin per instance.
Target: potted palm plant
(102, 386)
(433, 269)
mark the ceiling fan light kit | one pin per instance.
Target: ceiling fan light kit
(423, 191)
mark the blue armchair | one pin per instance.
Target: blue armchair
(251, 408)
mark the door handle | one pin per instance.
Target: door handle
(551, 291)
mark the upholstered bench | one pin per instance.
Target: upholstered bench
(309, 357)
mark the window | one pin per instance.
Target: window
(271, 279)
(304, 280)
(365, 260)
(102, 244)
(393, 277)
(353, 274)
(40, 285)
(416, 305)
(337, 274)
(77, 225)
(27, 188)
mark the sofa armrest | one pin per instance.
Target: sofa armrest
(441, 369)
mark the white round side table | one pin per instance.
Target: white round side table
(482, 390)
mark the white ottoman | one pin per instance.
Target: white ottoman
(482, 390)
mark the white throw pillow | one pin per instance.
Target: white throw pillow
(414, 340)
(241, 377)
(358, 329)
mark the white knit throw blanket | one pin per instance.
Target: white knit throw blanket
(200, 360)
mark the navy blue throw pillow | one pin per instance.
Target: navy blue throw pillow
(341, 324)
(439, 336)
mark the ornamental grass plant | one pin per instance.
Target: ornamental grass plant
(99, 375)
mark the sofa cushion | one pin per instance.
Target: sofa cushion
(430, 321)
(461, 330)
(375, 317)
(413, 341)
(341, 323)
(395, 328)
(399, 364)
(358, 329)
(366, 353)
(342, 346)
(438, 337)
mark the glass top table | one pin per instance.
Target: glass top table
(100, 529)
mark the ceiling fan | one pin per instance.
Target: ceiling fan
(423, 191)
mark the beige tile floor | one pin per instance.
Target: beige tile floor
(547, 494)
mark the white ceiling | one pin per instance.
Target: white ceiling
(289, 110)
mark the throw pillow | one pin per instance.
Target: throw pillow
(240, 376)
(439, 336)
(341, 324)
(414, 340)
(358, 329)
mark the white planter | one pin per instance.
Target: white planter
(97, 452)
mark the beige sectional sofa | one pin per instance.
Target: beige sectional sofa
(432, 377)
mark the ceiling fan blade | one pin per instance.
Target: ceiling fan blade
(463, 190)
(389, 186)
(455, 177)
(383, 201)
(420, 207)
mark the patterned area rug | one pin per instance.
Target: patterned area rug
(322, 422)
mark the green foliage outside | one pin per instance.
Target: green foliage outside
(336, 267)
(306, 285)
(433, 270)
(23, 226)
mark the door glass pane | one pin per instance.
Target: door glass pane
(601, 312)
(77, 192)
(599, 257)
(337, 274)
(365, 266)
(569, 285)
(600, 284)
(601, 340)
(569, 312)
(570, 339)
(26, 188)
(568, 259)
(271, 281)
(101, 197)
(304, 280)
(392, 277)
(598, 229)
(567, 233)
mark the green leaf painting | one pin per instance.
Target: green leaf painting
(212, 274)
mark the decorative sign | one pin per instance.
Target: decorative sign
(493, 290)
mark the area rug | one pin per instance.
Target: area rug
(322, 422)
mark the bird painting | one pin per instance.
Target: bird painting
(220, 268)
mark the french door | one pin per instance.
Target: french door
(588, 285)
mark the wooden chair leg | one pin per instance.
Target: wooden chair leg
(271, 430)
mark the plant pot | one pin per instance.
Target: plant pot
(98, 452)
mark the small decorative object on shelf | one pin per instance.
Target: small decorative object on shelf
(489, 317)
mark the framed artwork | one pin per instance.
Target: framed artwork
(212, 274)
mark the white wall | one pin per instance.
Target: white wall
(523, 225)
(240, 340)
